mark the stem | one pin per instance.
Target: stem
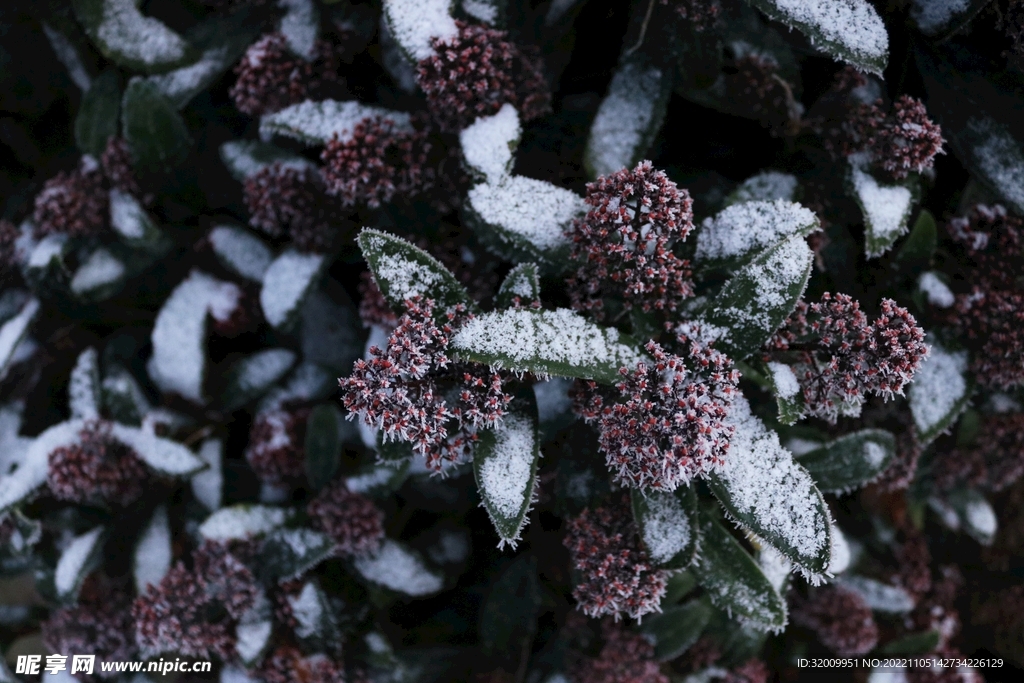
(643, 30)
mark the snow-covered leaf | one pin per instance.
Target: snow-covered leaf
(523, 282)
(179, 334)
(239, 522)
(153, 554)
(932, 286)
(152, 127)
(76, 561)
(629, 118)
(524, 219)
(379, 480)
(286, 284)
(308, 383)
(765, 187)
(208, 484)
(133, 224)
(881, 597)
(403, 271)
(84, 386)
(245, 158)
(489, 144)
(34, 465)
(300, 26)
(968, 510)
(937, 18)
(100, 276)
(886, 208)
(46, 268)
(850, 30)
(240, 251)
(413, 23)
(766, 492)
(740, 232)
(490, 12)
(677, 627)
(554, 405)
(315, 123)
(734, 581)
(940, 392)
(130, 39)
(14, 330)
(123, 398)
(559, 342)
(788, 396)
(505, 463)
(252, 376)
(290, 553)
(508, 615)
(668, 525)
(163, 455)
(757, 299)
(399, 568)
(98, 114)
(252, 639)
(323, 445)
(13, 446)
(315, 624)
(70, 56)
(851, 461)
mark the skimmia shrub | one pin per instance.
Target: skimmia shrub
(414, 341)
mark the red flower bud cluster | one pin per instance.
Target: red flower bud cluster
(287, 201)
(352, 520)
(277, 450)
(97, 470)
(271, 77)
(841, 619)
(625, 658)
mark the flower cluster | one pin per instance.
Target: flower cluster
(840, 618)
(700, 14)
(97, 469)
(283, 200)
(352, 520)
(616, 576)
(754, 85)
(287, 664)
(276, 449)
(901, 142)
(849, 357)
(400, 390)
(623, 245)
(373, 307)
(994, 462)
(670, 424)
(625, 657)
(271, 77)
(476, 72)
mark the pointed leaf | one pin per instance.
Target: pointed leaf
(288, 281)
(100, 276)
(130, 39)
(489, 144)
(79, 558)
(99, 114)
(84, 386)
(763, 489)
(315, 624)
(668, 525)
(403, 271)
(323, 445)
(316, 123)
(509, 612)
(975, 514)
(300, 26)
(733, 580)
(886, 208)
(940, 392)
(153, 552)
(851, 461)
(398, 568)
(677, 628)
(920, 245)
(123, 398)
(490, 12)
(880, 597)
(241, 252)
(740, 232)
(208, 485)
(133, 224)
(289, 553)
(522, 282)
(34, 465)
(153, 129)
(163, 455)
(14, 330)
(559, 342)
(786, 388)
(252, 376)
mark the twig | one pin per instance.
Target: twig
(643, 29)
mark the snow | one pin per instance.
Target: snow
(880, 597)
(395, 62)
(484, 10)
(624, 119)
(367, 481)
(49, 248)
(252, 638)
(506, 472)
(552, 397)
(232, 674)
(665, 526)
(522, 337)
(743, 228)
(68, 56)
(13, 331)
(933, 15)
(181, 85)
(299, 26)
(897, 674)
(886, 209)
(936, 290)
(315, 123)
(31, 474)
(404, 277)
(308, 611)
(242, 521)
(397, 568)
(286, 282)
(127, 217)
(852, 24)
(83, 392)
(841, 554)
(784, 380)
(532, 210)
(413, 23)
(100, 269)
(208, 483)
(125, 31)
(179, 354)
(153, 553)
(72, 563)
(263, 368)
(521, 282)
(765, 186)
(764, 482)
(241, 251)
(489, 142)
(940, 383)
(1002, 403)
(1000, 159)
(163, 455)
(874, 453)
(12, 446)
(248, 157)
(980, 517)
(775, 565)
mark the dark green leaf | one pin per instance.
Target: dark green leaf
(130, 39)
(153, 129)
(287, 284)
(742, 231)
(850, 461)
(99, 113)
(886, 207)
(522, 282)
(919, 247)
(289, 553)
(315, 623)
(509, 613)
(380, 480)
(919, 643)
(668, 525)
(677, 628)
(940, 392)
(323, 445)
(788, 397)
(679, 586)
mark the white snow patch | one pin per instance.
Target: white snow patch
(936, 290)
(252, 638)
(665, 526)
(981, 517)
(624, 118)
(72, 563)
(405, 278)
(136, 37)
(939, 384)
(68, 56)
(300, 26)
(232, 674)
(853, 24)
(263, 368)
(784, 380)
(308, 611)
(163, 455)
(452, 547)
(743, 228)
(362, 483)
(100, 269)
(49, 248)
(127, 217)
(241, 251)
(933, 15)
(1000, 159)
(13, 331)
(153, 553)
(181, 85)
(82, 387)
(505, 474)
(397, 568)
(32, 472)
(532, 210)
(841, 554)
(886, 208)
(242, 521)
(880, 597)
(552, 397)
(414, 23)
(285, 283)
(484, 10)
(896, 674)
(314, 123)
(488, 143)
(775, 565)
(766, 186)
(245, 158)
(207, 485)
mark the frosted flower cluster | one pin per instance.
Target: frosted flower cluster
(97, 469)
(271, 77)
(840, 618)
(352, 520)
(625, 657)
(284, 201)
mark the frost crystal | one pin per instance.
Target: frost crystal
(744, 228)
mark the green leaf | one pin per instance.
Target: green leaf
(406, 20)
(331, 333)
(788, 396)
(316, 123)
(400, 569)
(130, 39)
(289, 279)
(252, 376)
(668, 525)
(734, 582)
(508, 617)
(850, 30)
(315, 623)
(163, 455)
(766, 186)
(886, 208)
(920, 245)
(941, 19)
(740, 232)
(101, 276)
(559, 342)
(677, 628)
(755, 301)
(523, 282)
(241, 252)
(679, 586)
(403, 271)
(14, 330)
(629, 117)
(133, 224)
(505, 464)
(880, 597)
(323, 445)
(763, 489)
(290, 553)
(975, 514)
(379, 480)
(489, 144)
(84, 386)
(851, 461)
(77, 560)
(153, 129)
(153, 555)
(245, 158)
(98, 115)
(919, 643)
(940, 392)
